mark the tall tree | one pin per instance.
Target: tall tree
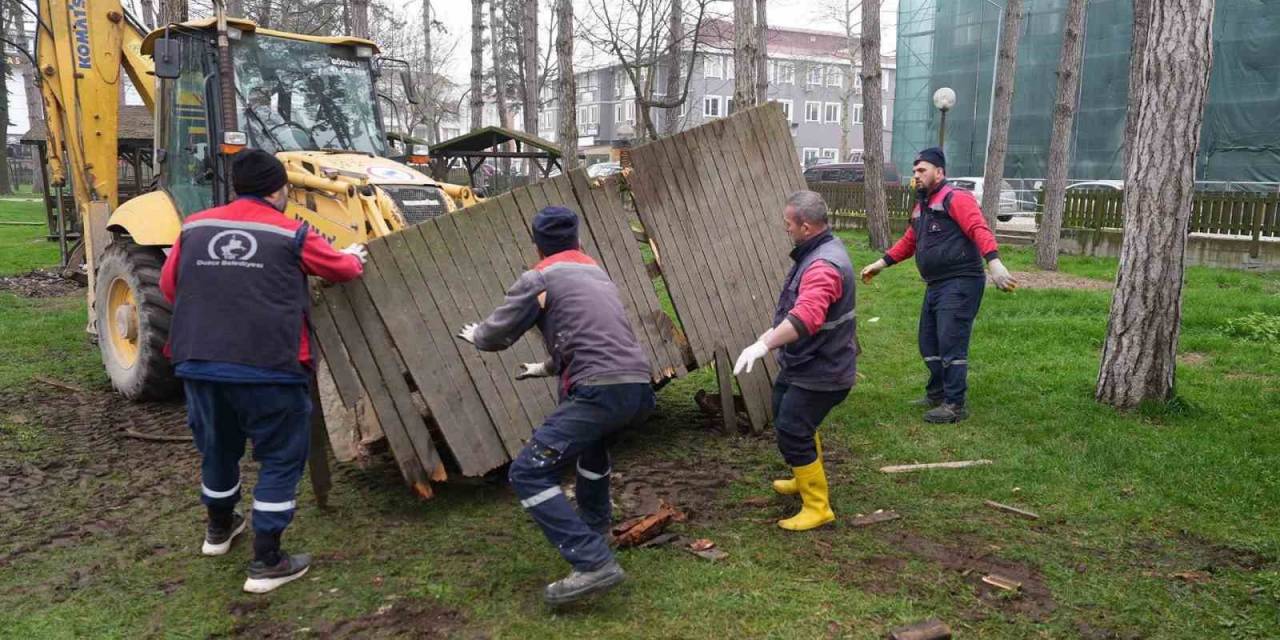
(173, 11)
(429, 70)
(235, 8)
(873, 127)
(477, 63)
(1173, 47)
(148, 14)
(745, 52)
(568, 89)
(35, 104)
(1002, 106)
(499, 33)
(675, 40)
(529, 46)
(7, 17)
(762, 55)
(644, 34)
(358, 15)
(845, 13)
(1064, 114)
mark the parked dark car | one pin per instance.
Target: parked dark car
(848, 173)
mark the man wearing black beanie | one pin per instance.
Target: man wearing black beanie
(950, 239)
(239, 339)
(605, 387)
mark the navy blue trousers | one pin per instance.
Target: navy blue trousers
(797, 413)
(946, 321)
(276, 418)
(578, 433)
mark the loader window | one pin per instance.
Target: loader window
(188, 165)
(298, 95)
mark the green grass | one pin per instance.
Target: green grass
(1126, 501)
(24, 247)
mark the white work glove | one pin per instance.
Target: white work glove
(359, 251)
(532, 370)
(870, 271)
(1003, 280)
(748, 357)
(468, 332)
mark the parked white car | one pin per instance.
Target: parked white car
(1097, 185)
(602, 169)
(1009, 206)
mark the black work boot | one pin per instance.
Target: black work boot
(946, 413)
(927, 402)
(580, 584)
(272, 566)
(224, 526)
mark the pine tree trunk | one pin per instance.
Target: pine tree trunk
(7, 15)
(568, 89)
(173, 11)
(1064, 114)
(148, 14)
(359, 18)
(35, 106)
(529, 44)
(1166, 110)
(235, 8)
(873, 128)
(498, 33)
(671, 117)
(762, 52)
(993, 175)
(846, 120)
(745, 51)
(430, 99)
(477, 64)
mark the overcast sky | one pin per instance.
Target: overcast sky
(456, 16)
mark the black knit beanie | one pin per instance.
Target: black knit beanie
(555, 229)
(255, 172)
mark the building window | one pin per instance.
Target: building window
(711, 107)
(813, 112)
(728, 67)
(713, 66)
(728, 109)
(884, 114)
(815, 75)
(830, 153)
(835, 76)
(831, 112)
(619, 112)
(810, 154)
(786, 109)
(631, 111)
(545, 120)
(782, 72)
(857, 82)
(857, 114)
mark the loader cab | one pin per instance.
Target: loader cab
(290, 95)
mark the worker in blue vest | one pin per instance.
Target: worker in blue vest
(604, 388)
(815, 334)
(949, 238)
(239, 339)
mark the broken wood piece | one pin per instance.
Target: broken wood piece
(1001, 582)
(638, 530)
(711, 553)
(1013, 510)
(959, 464)
(927, 630)
(664, 539)
(1194, 577)
(149, 437)
(59, 384)
(701, 544)
(875, 518)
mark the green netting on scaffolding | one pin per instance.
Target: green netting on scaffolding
(952, 43)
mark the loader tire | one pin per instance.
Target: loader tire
(132, 320)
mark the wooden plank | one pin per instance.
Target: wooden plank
(1011, 510)
(620, 263)
(712, 148)
(960, 464)
(492, 380)
(447, 387)
(334, 352)
(487, 292)
(509, 264)
(371, 380)
(659, 202)
(724, 376)
(391, 367)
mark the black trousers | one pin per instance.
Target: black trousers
(946, 322)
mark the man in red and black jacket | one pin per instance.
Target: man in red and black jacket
(237, 280)
(950, 239)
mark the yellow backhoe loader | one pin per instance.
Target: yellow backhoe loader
(215, 86)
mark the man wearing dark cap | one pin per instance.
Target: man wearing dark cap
(605, 387)
(950, 239)
(239, 339)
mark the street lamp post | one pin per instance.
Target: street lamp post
(944, 99)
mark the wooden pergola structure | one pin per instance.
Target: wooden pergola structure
(473, 148)
(135, 149)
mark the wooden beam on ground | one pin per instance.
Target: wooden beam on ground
(905, 468)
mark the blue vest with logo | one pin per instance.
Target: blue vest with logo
(827, 359)
(242, 296)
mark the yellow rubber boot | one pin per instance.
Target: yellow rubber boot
(812, 481)
(788, 487)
